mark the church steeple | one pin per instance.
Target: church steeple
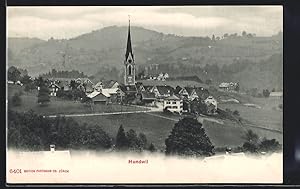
(129, 64)
(129, 47)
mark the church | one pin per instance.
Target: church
(129, 63)
(129, 86)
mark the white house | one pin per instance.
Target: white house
(53, 87)
(173, 104)
(276, 94)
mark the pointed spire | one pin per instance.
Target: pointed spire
(129, 47)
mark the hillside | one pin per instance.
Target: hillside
(90, 52)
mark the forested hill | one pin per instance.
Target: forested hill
(90, 52)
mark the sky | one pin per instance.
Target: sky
(68, 22)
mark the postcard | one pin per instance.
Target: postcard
(144, 94)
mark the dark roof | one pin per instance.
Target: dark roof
(129, 47)
(173, 97)
(128, 88)
(165, 89)
(189, 90)
(148, 95)
(177, 89)
(108, 84)
(147, 87)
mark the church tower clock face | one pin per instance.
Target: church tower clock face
(129, 78)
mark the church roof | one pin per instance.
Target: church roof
(129, 46)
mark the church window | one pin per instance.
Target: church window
(129, 70)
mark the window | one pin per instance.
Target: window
(173, 102)
(174, 107)
(129, 70)
(181, 106)
(168, 102)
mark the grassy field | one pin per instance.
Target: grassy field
(268, 116)
(59, 106)
(158, 129)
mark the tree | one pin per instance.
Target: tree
(13, 74)
(251, 137)
(43, 95)
(266, 93)
(121, 139)
(269, 145)
(198, 106)
(251, 142)
(152, 148)
(188, 138)
(213, 38)
(16, 99)
(244, 33)
(134, 143)
(143, 140)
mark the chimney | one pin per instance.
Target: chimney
(52, 148)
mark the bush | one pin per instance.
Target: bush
(269, 145)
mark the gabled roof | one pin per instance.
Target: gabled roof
(96, 93)
(190, 90)
(110, 91)
(54, 84)
(128, 88)
(165, 90)
(173, 97)
(108, 84)
(148, 95)
(177, 90)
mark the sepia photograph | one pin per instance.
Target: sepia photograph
(144, 94)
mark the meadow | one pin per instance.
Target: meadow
(60, 106)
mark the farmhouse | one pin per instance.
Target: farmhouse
(163, 91)
(181, 92)
(148, 98)
(53, 87)
(99, 97)
(173, 104)
(192, 94)
(111, 84)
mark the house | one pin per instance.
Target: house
(163, 91)
(64, 85)
(224, 86)
(173, 104)
(276, 94)
(113, 93)
(148, 98)
(53, 87)
(229, 86)
(212, 104)
(110, 84)
(99, 97)
(181, 92)
(192, 94)
(140, 87)
(128, 89)
(98, 86)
